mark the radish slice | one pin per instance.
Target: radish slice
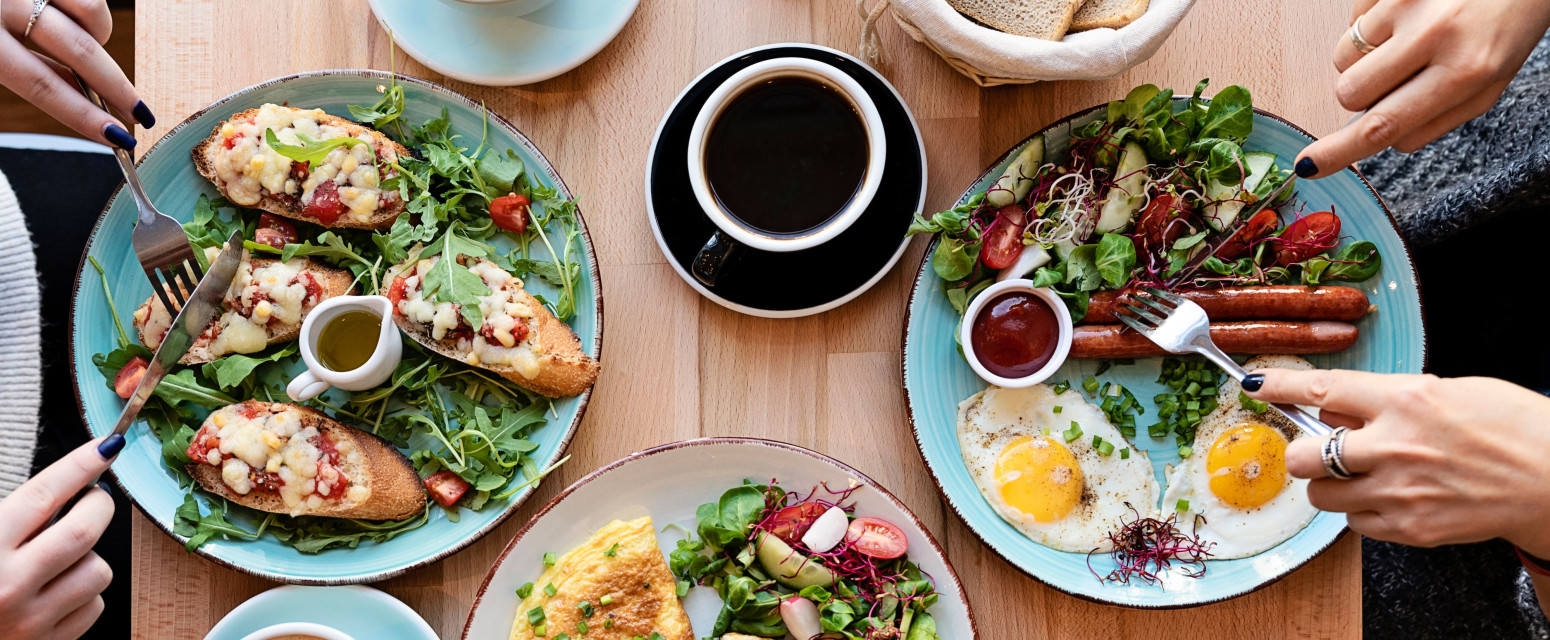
(1032, 257)
(801, 617)
(826, 531)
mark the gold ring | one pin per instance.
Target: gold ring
(37, 10)
(1361, 43)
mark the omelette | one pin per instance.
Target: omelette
(616, 585)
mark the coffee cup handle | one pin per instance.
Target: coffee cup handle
(713, 258)
(306, 387)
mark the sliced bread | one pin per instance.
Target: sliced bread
(1042, 19)
(1110, 14)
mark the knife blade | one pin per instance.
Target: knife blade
(191, 321)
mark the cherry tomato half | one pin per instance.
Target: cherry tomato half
(129, 376)
(1003, 241)
(396, 292)
(275, 232)
(1157, 228)
(792, 522)
(1309, 236)
(510, 212)
(1260, 225)
(877, 538)
(446, 487)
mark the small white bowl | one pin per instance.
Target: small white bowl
(298, 628)
(1062, 344)
(377, 369)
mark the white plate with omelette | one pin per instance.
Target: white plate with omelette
(630, 515)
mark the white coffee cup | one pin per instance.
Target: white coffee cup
(298, 628)
(708, 263)
(516, 8)
(318, 378)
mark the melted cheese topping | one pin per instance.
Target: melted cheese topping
(249, 168)
(509, 335)
(276, 443)
(262, 301)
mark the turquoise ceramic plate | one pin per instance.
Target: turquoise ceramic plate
(171, 182)
(503, 43)
(936, 379)
(363, 612)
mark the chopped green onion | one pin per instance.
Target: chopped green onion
(550, 559)
(1192, 389)
(1257, 406)
(581, 626)
(1105, 448)
(1124, 454)
(612, 551)
(1061, 387)
(1057, 408)
(608, 624)
(606, 600)
(1090, 384)
(1157, 430)
(563, 636)
(535, 616)
(541, 630)
(1097, 440)
(525, 590)
(683, 588)
(1074, 432)
(549, 590)
(1182, 506)
(1185, 451)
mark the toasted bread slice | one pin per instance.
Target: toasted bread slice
(563, 368)
(382, 483)
(207, 155)
(1107, 14)
(1042, 19)
(151, 319)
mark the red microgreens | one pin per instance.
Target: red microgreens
(1145, 548)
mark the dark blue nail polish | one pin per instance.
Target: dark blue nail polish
(119, 137)
(105, 487)
(1253, 382)
(1306, 168)
(143, 115)
(111, 445)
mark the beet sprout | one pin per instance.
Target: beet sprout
(1146, 548)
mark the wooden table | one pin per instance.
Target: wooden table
(677, 366)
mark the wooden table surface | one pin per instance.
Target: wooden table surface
(677, 366)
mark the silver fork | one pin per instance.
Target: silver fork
(1181, 326)
(159, 240)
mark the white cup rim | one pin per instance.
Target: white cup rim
(871, 121)
(310, 628)
(373, 366)
(1062, 345)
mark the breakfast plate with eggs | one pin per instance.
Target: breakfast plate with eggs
(1078, 478)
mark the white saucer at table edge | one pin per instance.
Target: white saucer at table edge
(694, 472)
(798, 283)
(362, 612)
(502, 43)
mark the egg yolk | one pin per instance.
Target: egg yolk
(1247, 465)
(1039, 477)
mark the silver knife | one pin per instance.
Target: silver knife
(190, 322)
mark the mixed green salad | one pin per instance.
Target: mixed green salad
(1158, 192)
(456, 422)
(804, 564)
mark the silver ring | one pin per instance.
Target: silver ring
(37, 10)
(1333, 455)
(1361, 43)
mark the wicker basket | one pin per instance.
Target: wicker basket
(992, 58)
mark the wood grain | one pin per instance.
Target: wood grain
(678, 366)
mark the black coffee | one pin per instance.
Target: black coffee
(786, 155)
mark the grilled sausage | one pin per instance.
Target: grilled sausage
(1249, 337)
(1290, 302)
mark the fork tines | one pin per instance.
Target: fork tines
(1143, 320)
(178, 279)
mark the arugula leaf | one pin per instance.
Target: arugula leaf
(181, 386)
(310, 151)
(1115, 258)
(231, 370)
(448, 281)
(500, 172)
(388, 109)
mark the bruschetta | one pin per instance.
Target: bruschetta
(265, 305)
(343, 189)
(290, 459)
(519, 339)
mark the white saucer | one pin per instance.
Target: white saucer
(502, 43)
(362, 612)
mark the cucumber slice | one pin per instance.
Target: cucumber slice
(789, 567)
(1015, 183)
(1259, 164)
(1127, 194)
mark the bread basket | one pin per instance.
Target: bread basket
(992, 58)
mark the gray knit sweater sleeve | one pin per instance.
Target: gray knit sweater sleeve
(21, 371)
(1494, 164)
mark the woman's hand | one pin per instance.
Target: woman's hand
(1437, 461)
(1437, 65)
(71, 33)
(52, 580)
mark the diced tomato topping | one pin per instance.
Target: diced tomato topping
(396, 293)
(129, 376)
(300, 171)
(519, 331)
(231, 142)
(510, 212)
(275, 232)
(248, 410)
(325, 204)
(265, 481)
(204, 442)
(314, 288)
(446, 487)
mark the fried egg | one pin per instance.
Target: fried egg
(1061, 492)
(1236, 478)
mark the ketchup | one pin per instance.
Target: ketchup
(1015, 334)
